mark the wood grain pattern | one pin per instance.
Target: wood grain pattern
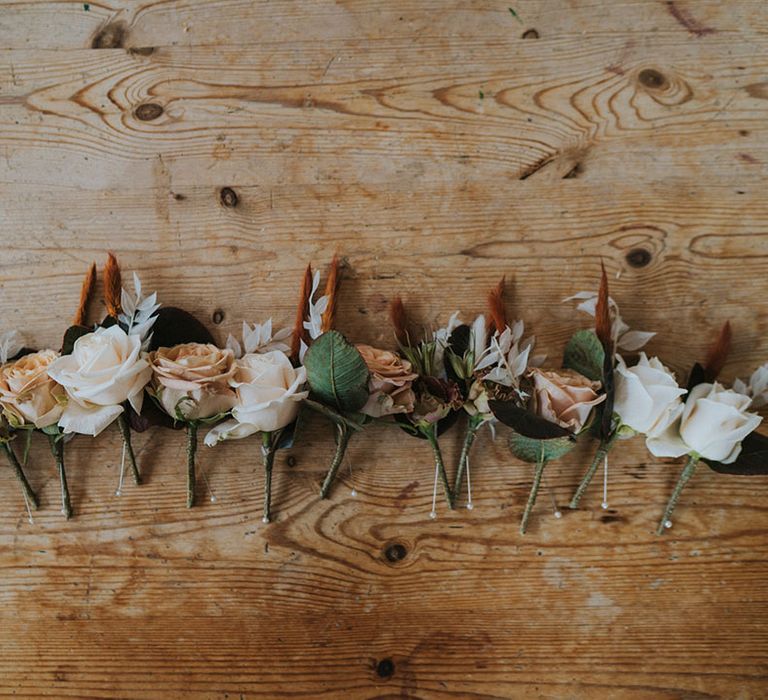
(436, 149)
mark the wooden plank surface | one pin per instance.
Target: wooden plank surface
(436, 148)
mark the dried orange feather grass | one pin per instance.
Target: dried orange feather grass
(603, 314)
(113, 284)
(86, 293)
(399, 321)
(718, 353)
(332, 292)
(496, 306)
(299, 332)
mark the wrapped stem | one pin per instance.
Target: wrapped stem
(431, 434)
(57, 449)
(602, 451)
(469, 437)
(687, 473)
(125, 431)
(29, 494)
(534, 493)
(343, 434)
(191, 450)
(268, 457)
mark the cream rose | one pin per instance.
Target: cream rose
(647, 398)
(390, 383)
(105, 369)
(564, 397)
(269, 392)
(192, 380)
(713, 424)
(27, 394)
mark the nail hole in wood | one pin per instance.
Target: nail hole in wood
(218, 316)
(638, 257)
(574, 172)
(385, 668)
(395, 552)
(652, 79)
(290, 461)
(228, 197)
(148, 111)
(530, 34)
(141, 50)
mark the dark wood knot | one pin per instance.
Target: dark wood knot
(395, 552)
(228, 197)
(530, 34)
(110, 36)
(638, 257)
(218, 316)
(385, 668)
(148, 112)
(652, 79)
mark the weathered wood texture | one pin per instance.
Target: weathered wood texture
(437, 148)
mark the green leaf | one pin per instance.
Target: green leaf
(70, 337)
(526, 423)
(532, 450)
(584, 354)
(752, 460)
(337, 373)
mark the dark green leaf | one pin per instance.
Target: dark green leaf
(526, 423)
(337, 373)
(753, 459)
(70, 337)
(532, 450)
(697, 376)
(175, 326)
(584, 354)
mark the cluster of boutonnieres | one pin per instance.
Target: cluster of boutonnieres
(145, 365)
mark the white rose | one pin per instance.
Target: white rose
(647, 396)
(105, 369)
(713, 424)
(268, 389)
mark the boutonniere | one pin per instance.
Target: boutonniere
(487, 360)
(268, 390)
(337, 373)
(714, 426)
(104, 369)
(437, 398)
(12, 392)
(642, 399)
(189, 386)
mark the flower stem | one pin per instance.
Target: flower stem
(469, 438)
(125, 431)
(191, 450)
(431, 434)
(602, 451)
(57, 449)
(534, 492)
(687, 473)
(30, 495)
(342, 440)
(268, 457)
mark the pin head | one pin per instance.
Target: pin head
(353, 493)
(667, 524)
(604, 505)
(118, 492)
(470, 506)
(433, 515)
(265, 519)
(558, 514)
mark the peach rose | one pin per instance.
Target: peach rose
(390, 382)
(192, 380)
(564, 397)
(27, 394)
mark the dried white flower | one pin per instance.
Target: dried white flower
(756, 387)
(259, 340)
(10, 344)
(139, 313)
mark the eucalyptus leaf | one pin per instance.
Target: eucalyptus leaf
(526, 423)
(532, 450)
(337, 373)
(584, 354)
